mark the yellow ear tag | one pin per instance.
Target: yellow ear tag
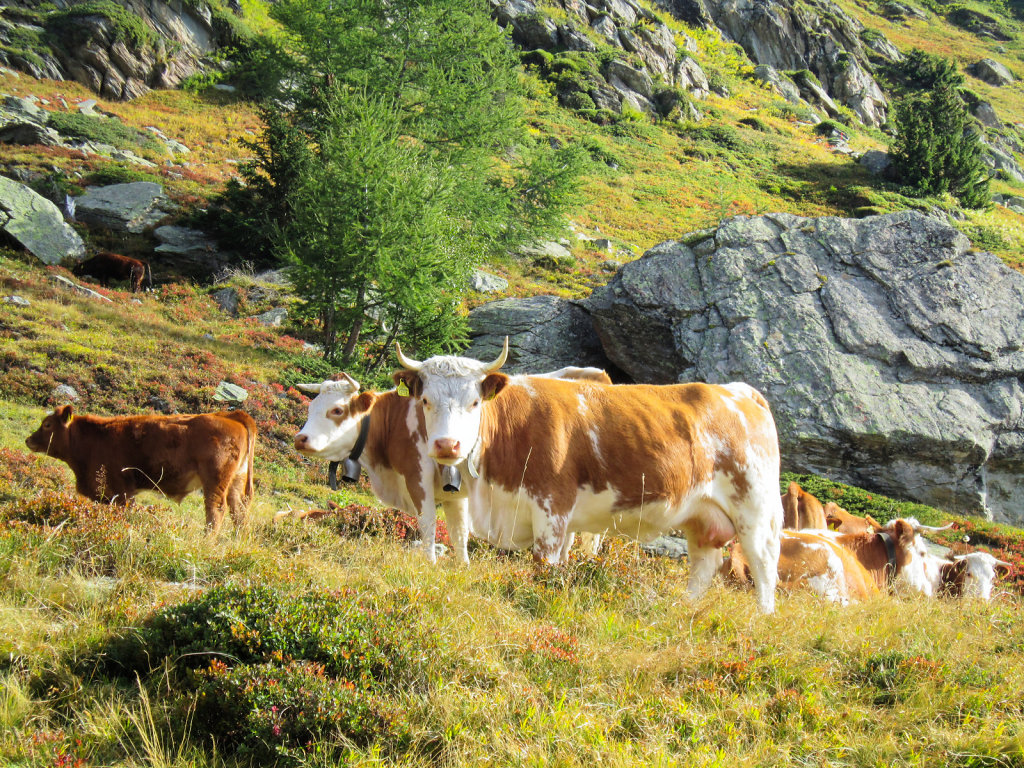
(403, 390)
(71, 418)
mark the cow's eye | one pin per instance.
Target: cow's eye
(335, 412)
(425, 403)
(475, 404)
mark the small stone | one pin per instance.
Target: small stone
(64, 392)
(273, 318)
(17, 301)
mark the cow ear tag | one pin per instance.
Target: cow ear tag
(403, 389)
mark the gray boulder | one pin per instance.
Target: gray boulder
(227, 299)
(485, 282)
(545, 333)
(992, 72)
(37, 224)
(189, 251)
(986, 115)
(273, 318)
(892, 352)
(876, 161)
(1000, 160)
(133, 207)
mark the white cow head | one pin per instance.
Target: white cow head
(451, 391)
(332, 425)
(982, 571)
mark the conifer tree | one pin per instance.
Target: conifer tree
(936, 147)
(413, 163)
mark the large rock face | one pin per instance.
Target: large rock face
(891, 351)
(545, 333)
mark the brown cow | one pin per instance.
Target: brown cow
(114, 458)
(812, 560)
(841, 521)
(107, 266)
(801, 510)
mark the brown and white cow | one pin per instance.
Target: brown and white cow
(115, 457)
(801, 509)
(551, 458)
(810, 560)
(395, 454)
(106, 266)
(970, 575)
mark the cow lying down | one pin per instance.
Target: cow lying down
(115, 457)
(393, 448)
(845, 567)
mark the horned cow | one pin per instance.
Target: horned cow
(113, 458)
(393, 449)
(547, 458)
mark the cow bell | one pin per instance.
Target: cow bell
(350, 470)
(451, 480)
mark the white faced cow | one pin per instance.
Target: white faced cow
(393, 449)
(553, 458)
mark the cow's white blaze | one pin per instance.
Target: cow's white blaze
(914, 573)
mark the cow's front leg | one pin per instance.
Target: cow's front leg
(456, 517)
(427, 520)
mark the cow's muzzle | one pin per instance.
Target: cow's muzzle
(446, 450)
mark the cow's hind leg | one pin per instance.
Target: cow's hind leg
(550, 530)
(238, 501)
(705, 562)
(760, 540)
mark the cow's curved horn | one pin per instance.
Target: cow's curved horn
(407, 362)
(499, 361)
(1003, 562)
(919, 527)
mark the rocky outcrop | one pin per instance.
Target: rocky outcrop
(189, 252)
(133, 207)
(545, 333)
(650, 53)
(992, 72)
(817, 36)
(891, 351)
(121, 54)
(36, 225)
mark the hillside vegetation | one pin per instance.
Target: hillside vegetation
(128, 637)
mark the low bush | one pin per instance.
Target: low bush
(281, 712)
(366, 641)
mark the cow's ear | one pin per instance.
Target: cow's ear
(904, 532)
(65, 414)
(874, 523)
(492, 384)
(408, 383)
(363, 403)
(1002, 569)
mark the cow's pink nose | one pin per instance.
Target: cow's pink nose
(301, 441)
(446, 448)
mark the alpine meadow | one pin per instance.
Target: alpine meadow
(564, 292)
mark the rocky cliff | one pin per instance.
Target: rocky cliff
(892, 351)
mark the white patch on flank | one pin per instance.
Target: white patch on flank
(584, 408)
(595, 441)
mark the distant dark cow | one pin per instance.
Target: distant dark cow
(115, 457)
(801, 510)
(105, 267)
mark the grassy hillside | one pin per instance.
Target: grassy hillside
(128, 637)
(131, 638)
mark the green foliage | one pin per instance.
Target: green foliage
(126, 25)
(121, 173)
(828, 127)
(102, 129)
(860, 502)
(405, 161)
(724, 136)
(272, 713)
(365, 641)
(935, 149)
(983, 236)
